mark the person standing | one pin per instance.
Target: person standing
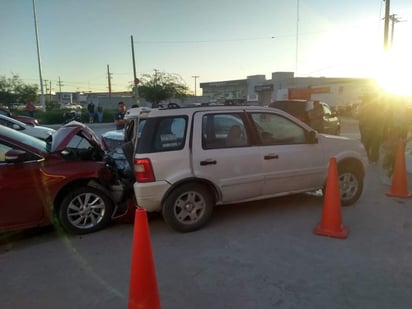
(119, 117)
(316, 116)
(372, 125)
(99, 113)
(30, 109)
(396, 132)
(90, 109)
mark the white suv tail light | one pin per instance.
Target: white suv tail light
(143, 170)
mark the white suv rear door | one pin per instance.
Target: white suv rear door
(230, 162)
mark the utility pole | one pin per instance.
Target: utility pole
(386, 27)
(60, 84)
(109, 77)
(45, 87)
(393, 20)
(50, 93)
(195, 77)
(135, 79)
(42, 101)
(297, 38)
(134, 62)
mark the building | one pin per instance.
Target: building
(111, 100)
(256, 89)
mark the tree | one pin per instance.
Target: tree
(13, 90)
(162, 86)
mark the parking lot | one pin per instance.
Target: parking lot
(252, 255)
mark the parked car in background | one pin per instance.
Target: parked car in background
(187, 160)
(25, 119)
(70, 181)
(72, 115)
(328, 122)
(40, 132)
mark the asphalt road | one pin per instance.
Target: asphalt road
(252, 255)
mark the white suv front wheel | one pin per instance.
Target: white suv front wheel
(188, 207)
(350, 184)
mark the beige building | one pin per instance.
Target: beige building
(256, 89)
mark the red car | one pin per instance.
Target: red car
(70, 179)
(25, 119)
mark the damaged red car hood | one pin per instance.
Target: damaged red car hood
(65, 134)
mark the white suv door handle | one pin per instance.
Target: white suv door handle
(271, 156)
(208, 162)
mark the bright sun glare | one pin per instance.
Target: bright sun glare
(365, 57)
(393, 73)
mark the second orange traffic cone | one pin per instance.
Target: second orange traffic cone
(143, 292)
(331, 222)
(399, 187)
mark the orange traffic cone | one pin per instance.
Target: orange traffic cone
(399, 187)
(331, 223)
(143, 292)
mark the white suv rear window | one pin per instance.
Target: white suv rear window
(169, 134)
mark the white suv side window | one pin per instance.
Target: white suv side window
(223, 131)
(277, 130)
(170, 133)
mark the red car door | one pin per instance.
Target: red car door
(23, 195)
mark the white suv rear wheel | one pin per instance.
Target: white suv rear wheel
(188, 207)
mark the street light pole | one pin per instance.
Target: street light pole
(42, 100)
(195, 77)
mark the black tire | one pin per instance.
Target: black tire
(350, 184)
(188, 207)
(85, 210)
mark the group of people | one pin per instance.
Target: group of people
(383, 124)
(118, 117)
(91, 110)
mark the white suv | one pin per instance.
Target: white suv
(187, 160)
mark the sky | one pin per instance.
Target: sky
(215, 40)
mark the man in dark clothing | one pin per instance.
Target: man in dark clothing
(90, 109)
(371, 127)
(119, 117)
(99, 112)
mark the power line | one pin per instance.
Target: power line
(205, 41)
(307, 33)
